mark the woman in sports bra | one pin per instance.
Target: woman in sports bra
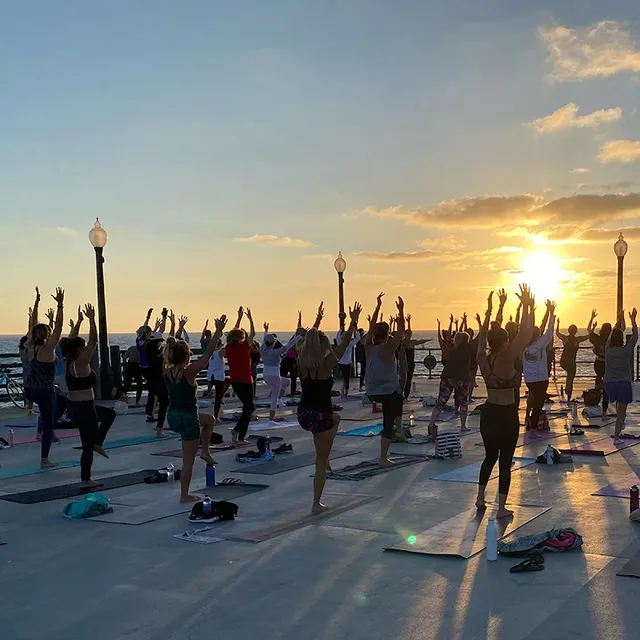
(499, 423)
(93, 421)
(195, 428)
(316, 361)
(571, 343)
(39, 386)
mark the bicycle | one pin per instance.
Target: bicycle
(12, 386)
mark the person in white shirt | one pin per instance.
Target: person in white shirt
(345, 361)
(535, 369)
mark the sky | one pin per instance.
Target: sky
(230, 150)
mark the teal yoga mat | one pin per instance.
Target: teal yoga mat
(471, 472)
(29, 469)
(127, 442)
(363, 432)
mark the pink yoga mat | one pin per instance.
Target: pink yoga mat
(619, 488)
(601, 447)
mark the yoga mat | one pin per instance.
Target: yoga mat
(31, 425)
(223, 446)
(538, 437)
(297, 517)
(470, 472)
(363, 432)
(619, 488)
(631, 569)
(368, 469)
(464, 535)
(60, 434)
(592, 423)
(34, 467)
(601, 447)
(128, 442)
(265, 426)
(74, 489)
(362, 415)
(286, 462)
(158, 501)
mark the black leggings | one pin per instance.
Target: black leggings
(244, 391)
(51, 406)
(537, 397)
(132, 374)
(94, 423)
(363, 372)
(158, 388)
(410, 369)
(598, 366)
(499, 427)
(345, 369)
(146, 374)
(221, 387)
(391, 409)
(289, 369)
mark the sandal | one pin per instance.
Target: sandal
(232, 481)
(576, 431)
(534, 562)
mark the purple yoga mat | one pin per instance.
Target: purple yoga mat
(619, 488)
(601, 447)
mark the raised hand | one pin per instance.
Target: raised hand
(354, 313)
(266, 326)
(408, 317)
(149, 313)
(320, 313)
(49, 315)
(594, 314)
(206, 324)
(400, 305)
(248, 313)
(490, 301)
(182, 321)
(59, 296)
(633, 315)
(221, 322)
(451, 318)
(379, 299)
(369, 318)
(90, 312)
(165, 312)
(438, 323)
(172, 317)
(478, 318)
(71, 324)
(38, 297)
(551, 306)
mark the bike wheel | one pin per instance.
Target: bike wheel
(16, 393)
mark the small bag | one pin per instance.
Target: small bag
(95, 504)
(543, 422)
(592, 397)
(448, 446)
(121, 408)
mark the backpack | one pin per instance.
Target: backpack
(592, 397)
(94, 504)
(448, 446)
(543, 422)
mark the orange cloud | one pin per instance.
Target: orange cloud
(619, 150)
(567, 118)
(276, 241)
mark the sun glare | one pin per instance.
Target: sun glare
(542, 271)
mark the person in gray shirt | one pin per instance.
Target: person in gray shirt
(617, 370)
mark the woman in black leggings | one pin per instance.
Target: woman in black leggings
(599, 340)
(499, 424)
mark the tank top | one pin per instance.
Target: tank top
(79, 383)
(570, 351)
(381, 377)
(215, 370)
(41, 375)
(182, 394)
(239, 361)
(316, 394)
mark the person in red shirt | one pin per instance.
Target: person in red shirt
(238, 353)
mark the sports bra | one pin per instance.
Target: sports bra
(79, 383)
(493, 381)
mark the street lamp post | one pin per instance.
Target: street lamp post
(620, 248)
(340, 265)
(98, 238)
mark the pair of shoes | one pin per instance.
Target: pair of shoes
(535, 562)
(284, 448)
(618, 441)
(232, 481)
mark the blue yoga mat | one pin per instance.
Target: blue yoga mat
(471, 472)
(30, 469)
(21, 426)
(127, 442)
(363, 432)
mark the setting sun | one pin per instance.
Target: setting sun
(542, 271)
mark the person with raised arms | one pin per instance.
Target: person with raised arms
(499, 423)
(195, 428)
(571, 343)
(316, 361)
(382, 380)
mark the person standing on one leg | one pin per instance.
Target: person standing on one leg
(618, 373)
(345, 361)
(132, 374)
(238, 353)
(195, 428)
(571, 343)
(315, 412)
(93, 421)
(361, 359)
(382, 381)
(499, 424)
(599, 341)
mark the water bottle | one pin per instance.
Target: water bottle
(411, 420)
(267, 444)
(562, 392)
(171, 472)
(210, 476)
(634, 502)
(492, 541)
(574, 413)
(207, 509)
(414, 387)
(548, 454)
(12, 438)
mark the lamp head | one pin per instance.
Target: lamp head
(621, 247)
(98, 236)
(340, 263)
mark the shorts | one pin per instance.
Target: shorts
(460, 391)
(621, 392)
(185, 423)
(315, 421)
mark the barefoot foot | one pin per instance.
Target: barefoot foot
(503, 512)
(189, 498)
(89, 484)
(47, 464)
(385, 462)
(159, 433)
(328, 466)
(207, 457)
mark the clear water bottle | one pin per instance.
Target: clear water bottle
(267, 444)
(12, 438)
(492, 540)
(207, 508)
(548, 454)
(171, 472)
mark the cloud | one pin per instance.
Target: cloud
(567, 118)
(581, 208)
(276, 241)
(66, 231)
(443, 256)
(619, 150)
(597, 51)
(609, 236)
(447, 242)
(580, 170)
